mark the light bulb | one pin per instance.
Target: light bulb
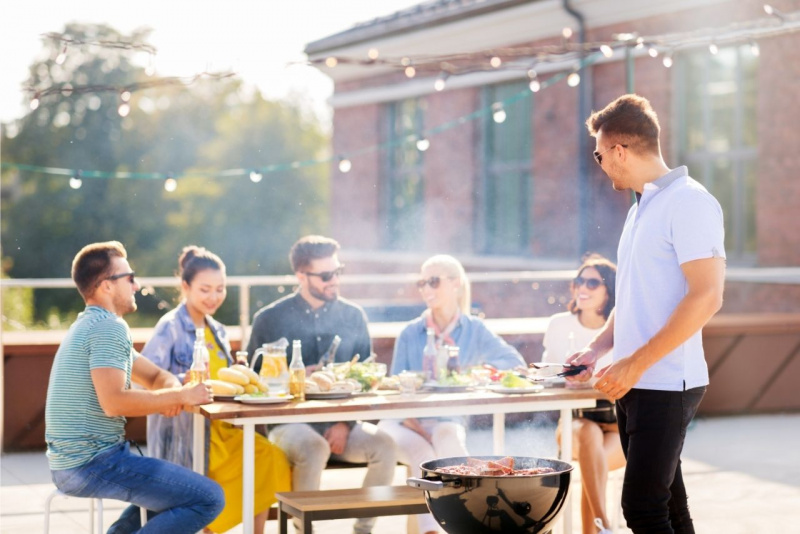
(125, 96)
(170, 185)
(75, 182)
(653, 51)
(405, 62)
(423, 145)
(345, 165)
(255, 176)
(532, 73)
(34, 103)
(410, 71)
(535, 86)
(373, 53)
(574, 79)
(606, 50)
(495, 62)
(713, 48)
(331, 62)
(499, 114)
(639, 42)
(124, 109)
(768, 9)
(440, 82)
(566, 32)
(667, 61)
(62, 56)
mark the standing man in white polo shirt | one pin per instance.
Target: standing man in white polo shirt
(670, 277)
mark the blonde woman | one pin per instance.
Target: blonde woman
(445, 289)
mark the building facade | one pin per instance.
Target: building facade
(518, 190)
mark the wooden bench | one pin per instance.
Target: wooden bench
(376, 501)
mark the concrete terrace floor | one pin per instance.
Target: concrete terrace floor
(742, 475)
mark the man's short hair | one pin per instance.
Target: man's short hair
(628, 120)
(93, 263)
(309, 248)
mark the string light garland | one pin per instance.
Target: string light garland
(67, 41)
(124, 91)
(443, 67)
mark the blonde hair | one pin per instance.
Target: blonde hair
(454, 269)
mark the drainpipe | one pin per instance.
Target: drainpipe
(584, 95)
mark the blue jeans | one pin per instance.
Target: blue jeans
(183, 501)
(652, 428)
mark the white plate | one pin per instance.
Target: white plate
(442, 388)
(246, 399)
(326, 395)
(533, 388)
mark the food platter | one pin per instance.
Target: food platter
(251, 399)
(328, 395)
(533, 388)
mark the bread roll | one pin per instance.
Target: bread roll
(323, 381)
(311, 386)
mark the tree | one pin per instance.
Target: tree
(192, 132)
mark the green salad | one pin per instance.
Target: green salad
(511, 380)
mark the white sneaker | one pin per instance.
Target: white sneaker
(601, 528)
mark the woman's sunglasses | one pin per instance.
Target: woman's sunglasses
(327, 276)
(433, 281)
(591, 283)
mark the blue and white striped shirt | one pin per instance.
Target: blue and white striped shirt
(76, 428)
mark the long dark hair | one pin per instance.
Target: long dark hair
(608, 272)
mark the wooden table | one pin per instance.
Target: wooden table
(387, 406)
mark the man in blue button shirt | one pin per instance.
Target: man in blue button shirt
(670, 278)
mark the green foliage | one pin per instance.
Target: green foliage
(206, 127)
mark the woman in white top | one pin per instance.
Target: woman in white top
(596, 443)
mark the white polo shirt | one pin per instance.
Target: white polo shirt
(675, 221)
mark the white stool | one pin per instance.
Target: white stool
(93, 503)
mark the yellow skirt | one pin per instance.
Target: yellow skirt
(272, 473)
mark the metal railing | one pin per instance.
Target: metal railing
(773, 275)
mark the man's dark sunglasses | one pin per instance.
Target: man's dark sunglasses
(131, 277)
(598, 156)
(327, 276)
(433, 281)
(591, 283)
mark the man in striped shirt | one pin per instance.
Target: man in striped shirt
(89, 397)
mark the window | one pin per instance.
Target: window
(405, 189)
(718, 137)
(504, 186)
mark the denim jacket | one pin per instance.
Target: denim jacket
(171, 348)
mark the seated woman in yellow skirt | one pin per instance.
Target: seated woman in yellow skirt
(203, 291)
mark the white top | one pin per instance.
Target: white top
(675, 221)
(557, 344)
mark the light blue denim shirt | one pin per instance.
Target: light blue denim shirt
(171, 348)
(477, 345)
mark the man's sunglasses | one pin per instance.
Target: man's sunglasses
(130, 276)
(590, 283)
(598, 156)
(433, 281)
(327, 276)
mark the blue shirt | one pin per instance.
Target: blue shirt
(477, 345)
(675, 221)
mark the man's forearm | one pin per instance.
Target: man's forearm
(604, 340)
(136, 403)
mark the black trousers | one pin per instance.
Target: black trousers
(652, 428)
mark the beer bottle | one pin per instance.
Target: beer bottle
(297, 373)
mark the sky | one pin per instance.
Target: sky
(255, 38)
